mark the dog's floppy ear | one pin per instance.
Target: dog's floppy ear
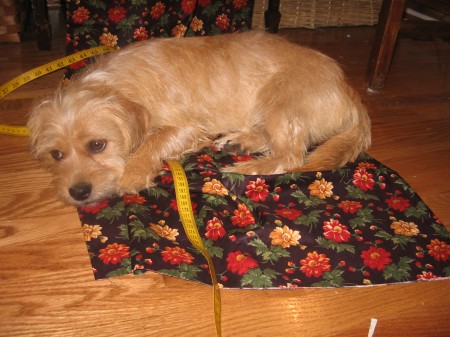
(138, 120)
(35, 126)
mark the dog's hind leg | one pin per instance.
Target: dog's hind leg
(280, 125)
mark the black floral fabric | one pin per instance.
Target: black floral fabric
(359, 225)
(92, 23)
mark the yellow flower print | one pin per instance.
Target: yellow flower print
(164, 231)
(321, 189)
(214, 187)
(284, 237)
(91, 232)
(179, 30)
(405, 228)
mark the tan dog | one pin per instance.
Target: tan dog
(109, 130)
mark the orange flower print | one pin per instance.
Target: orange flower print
(398, 203)
(239, 263)
(80, 15)
(321, 189)
(164, 231)
(214, 229)
(242, 216)
(257, 190)
(179, 30)
(284, 237)
(315, 264)
(114, 253)
(196, 24)
(405, 228)
(363, 180)
(350, 206)
(376, 258)
(176, 255)
(91, 232)
(214, 187)
(335, 231)
(133, 199)
(440, 250)
(117, 13)
(157, 10)
(108, 39)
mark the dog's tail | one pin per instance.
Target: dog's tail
(343, 147)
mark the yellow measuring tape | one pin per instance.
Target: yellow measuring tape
(190, 227)
(32, 74)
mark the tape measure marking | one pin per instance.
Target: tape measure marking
(190, 227)
(45, 69)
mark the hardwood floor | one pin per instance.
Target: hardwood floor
(46, 283)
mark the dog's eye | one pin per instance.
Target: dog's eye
(56, 154)
(97, 146)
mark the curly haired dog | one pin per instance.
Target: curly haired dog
(110, 129)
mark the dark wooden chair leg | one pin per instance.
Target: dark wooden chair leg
(384, 43)
(272, 16)
(42, 27)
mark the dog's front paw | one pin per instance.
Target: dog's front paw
(133, 181)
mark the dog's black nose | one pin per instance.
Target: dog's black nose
(80, 191)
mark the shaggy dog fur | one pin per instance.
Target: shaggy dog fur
(110, 129)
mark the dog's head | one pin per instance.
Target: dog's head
(83, 135)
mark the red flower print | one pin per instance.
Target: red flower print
(440, 250)
(376, 258)
(204, 158)
(241, 158)
(114, 253)
(257, 190)
(350, 206)
(223, 21)
(214, 229)
(78, 65)
(240, 263)
(133, 199)
(238, 4)
(426, 275)
(95, 208)
(242, 216)
(117, 13)
(398, 203)
(188, 6)
(315, 264)
(334, 230)
(80, 15)
(157, 10)
(204, 3)
(363, 180)
(140, 34)
(366, 166)
(289, 213)
(176, 255)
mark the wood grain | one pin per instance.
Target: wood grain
(46, 283)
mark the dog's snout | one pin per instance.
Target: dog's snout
(80, 191)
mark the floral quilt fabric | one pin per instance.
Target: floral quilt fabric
(359, 225)
(92, 23)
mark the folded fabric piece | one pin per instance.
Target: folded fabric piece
(359, 225)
